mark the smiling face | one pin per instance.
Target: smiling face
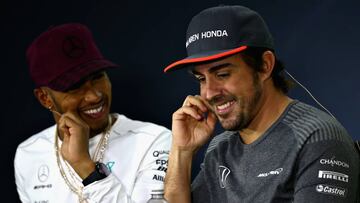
(90, 99)
(233, 90)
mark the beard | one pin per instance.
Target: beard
(244, 110)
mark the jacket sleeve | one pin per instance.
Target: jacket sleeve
(150, 176)
(327, 171)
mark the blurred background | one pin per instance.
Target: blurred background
(318, 40)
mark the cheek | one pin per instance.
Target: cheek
(70, 103)
(104, 86)
(245, 85)
(202, 91)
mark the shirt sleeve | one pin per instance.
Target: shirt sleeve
(150, 176)
(327, 171)
(19, 180)
(198, 188)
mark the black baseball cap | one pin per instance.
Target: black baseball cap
(221, 31)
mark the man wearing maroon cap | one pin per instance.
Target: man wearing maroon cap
(274, 149)
(89, 155)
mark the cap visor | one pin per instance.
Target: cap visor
(68, 79)
(198, 58)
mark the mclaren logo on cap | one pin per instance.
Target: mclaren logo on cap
(206, 35)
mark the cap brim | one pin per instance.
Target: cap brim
(70, 78)
(202, 57)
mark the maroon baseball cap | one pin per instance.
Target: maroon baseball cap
(63, 55)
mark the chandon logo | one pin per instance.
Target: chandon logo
(334, 162)
(223, 174)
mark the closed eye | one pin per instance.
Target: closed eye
(222, 75)
(199, 78)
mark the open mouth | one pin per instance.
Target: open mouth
(225, 108)
(96, 111)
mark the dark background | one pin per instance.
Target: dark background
(317, 39)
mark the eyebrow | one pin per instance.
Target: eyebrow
(83, 80)
(212, 69)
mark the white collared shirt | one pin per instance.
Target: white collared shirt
(137, 154)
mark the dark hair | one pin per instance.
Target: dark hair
(252, 56)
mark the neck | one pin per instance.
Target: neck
(272, 104)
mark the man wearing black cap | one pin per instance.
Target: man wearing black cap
(89, 155)
(274, 149)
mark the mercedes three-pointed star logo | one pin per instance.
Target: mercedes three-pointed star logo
(43, 173)
(73, 47)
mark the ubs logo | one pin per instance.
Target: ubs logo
(73, 47)
(43, 173)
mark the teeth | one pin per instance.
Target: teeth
(223, 106)
(93, 111)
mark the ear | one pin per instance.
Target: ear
(44, 98)
(268, 65)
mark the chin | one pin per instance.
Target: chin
(99, 125)
(234, 124)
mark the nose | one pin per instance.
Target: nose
(92, 94)
(210, 89)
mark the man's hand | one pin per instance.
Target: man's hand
(75, 146)
(191, 128)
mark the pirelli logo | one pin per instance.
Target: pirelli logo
(334, 176)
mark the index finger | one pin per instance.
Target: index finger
(73, 118)
(205, 102)
(195, 101)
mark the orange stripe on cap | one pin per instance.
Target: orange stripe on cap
(206, 58)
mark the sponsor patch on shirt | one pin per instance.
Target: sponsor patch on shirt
(43, 173)
(331, 190)
(333, 175)
(223, 174)
(274, 172)
(158, 178)
(334, 162)
(158, 153)
(41, 201)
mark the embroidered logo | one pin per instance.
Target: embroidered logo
(274, 172)
(43, 173)
(223, 174)
(332, 190)
(333, 162)
(334, 176)
(110, 164)
(73, 47)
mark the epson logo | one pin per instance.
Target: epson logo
(334, 162)
(332, 190)
(334, 176)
